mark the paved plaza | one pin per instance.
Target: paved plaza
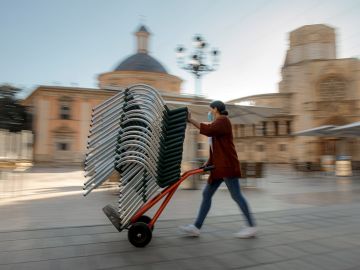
(305, 221)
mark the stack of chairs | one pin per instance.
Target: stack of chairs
(100, 155)
(144, 144)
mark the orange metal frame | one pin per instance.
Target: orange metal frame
(169, 191)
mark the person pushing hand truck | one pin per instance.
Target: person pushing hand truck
(224, 158)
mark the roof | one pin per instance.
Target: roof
(311, 26)
(238, 114)
(63, 89)
(141, 62)
(267, 95)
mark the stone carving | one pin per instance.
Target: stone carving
(332, 89)
(336, 108)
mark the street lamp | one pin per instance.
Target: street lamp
(196, 63)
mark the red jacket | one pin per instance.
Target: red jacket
(223, 155)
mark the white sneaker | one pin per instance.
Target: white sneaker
(247, 232)
(190, 230)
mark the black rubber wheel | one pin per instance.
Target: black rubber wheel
(146, 220)
(139, 234)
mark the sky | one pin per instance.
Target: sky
(71, 42)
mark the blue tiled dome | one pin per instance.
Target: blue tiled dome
(141, 62)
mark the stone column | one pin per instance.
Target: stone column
(270, 125)
(282, 128)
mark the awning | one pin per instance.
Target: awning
(349, 130)
(318, 131)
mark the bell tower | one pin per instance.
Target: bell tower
(311, 42)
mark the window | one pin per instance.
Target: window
(282, 147)
(65, 112)
(260, 148)
(236, 131)
(201, 146)
(254, 129)
(276, 128)
(64, 108)
(63, 146)
(242, 130)
(288, 127)
(264, 128)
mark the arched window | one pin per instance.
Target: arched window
(65, 108)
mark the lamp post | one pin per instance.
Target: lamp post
(197, 63)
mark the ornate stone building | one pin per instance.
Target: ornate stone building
(316, 89)
(62, 115)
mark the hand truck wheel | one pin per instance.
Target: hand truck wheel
(139, 234)
(146, 220)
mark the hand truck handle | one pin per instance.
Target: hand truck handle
(207, 168)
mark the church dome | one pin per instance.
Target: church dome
(141, 62)
(140, 68)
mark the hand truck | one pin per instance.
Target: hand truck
(141, 226)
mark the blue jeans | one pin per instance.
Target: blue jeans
(234, 188)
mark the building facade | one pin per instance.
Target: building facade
(62, 115)
(316, 89)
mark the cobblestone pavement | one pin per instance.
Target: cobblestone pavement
(311, 238)
(305, 221)
(52, 197)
